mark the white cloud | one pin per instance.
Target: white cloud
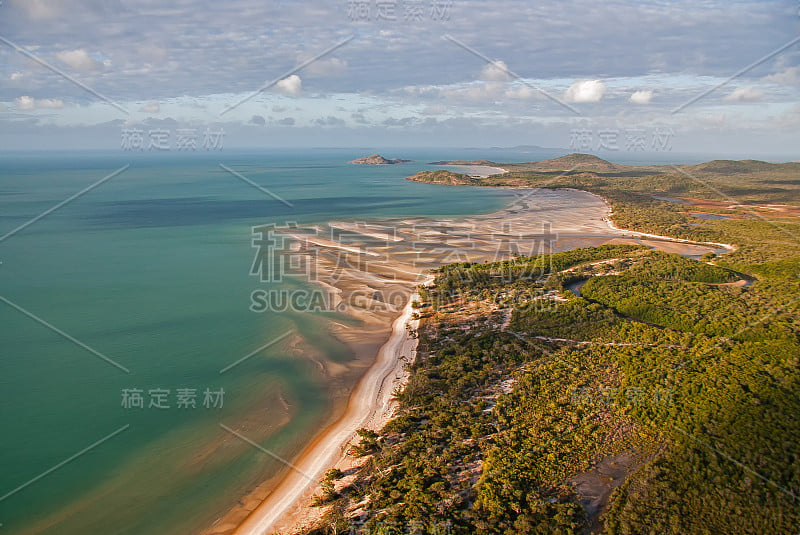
(641, 97)
(16, 76)
(50, 103)
(79, 60)
(585, 91)
(497, 71)
(326, 67)
(330, 120)
(434, 110)
(744, 94)
(475, 92)
(790, 76)
(522, 91)
(290, 86)
(25, 103)
(478, 92)
(191, 41)
(790, 119)
(151, 107)
(713, 120)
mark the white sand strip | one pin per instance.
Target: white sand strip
(369, 405)
(476, 170)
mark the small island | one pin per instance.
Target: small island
(377, 159)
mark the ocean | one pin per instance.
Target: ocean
(121, 307)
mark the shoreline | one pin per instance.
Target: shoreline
(478, 171)
(609, 221)
(370, 405)
(729, 248)
(287, 506)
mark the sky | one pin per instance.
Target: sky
(699, 76)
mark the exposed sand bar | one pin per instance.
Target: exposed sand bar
(365, 230)
(375, 291)
(332, 244)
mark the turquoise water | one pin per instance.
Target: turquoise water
(151, 270)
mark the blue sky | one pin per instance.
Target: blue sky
(609, 68)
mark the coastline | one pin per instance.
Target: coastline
(729, 248)
(286, 508)
(478, 171)
(608, 219)
(370, 405)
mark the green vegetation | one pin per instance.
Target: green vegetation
(444, 177)
(761, 198)
(669, 389)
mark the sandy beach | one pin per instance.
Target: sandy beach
(369, 406)
(387, 259)
(478, 171)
